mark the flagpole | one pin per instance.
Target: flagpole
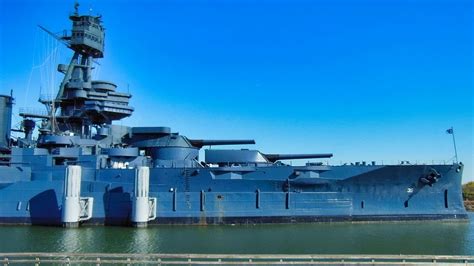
(454, 142)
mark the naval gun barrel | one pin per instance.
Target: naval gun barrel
(206, 142)
(276, 157)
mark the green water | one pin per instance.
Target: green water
(430, 237)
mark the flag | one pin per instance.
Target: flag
(450, 131)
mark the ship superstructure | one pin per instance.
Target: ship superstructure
(82, 168)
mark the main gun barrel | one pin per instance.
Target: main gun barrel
(207, 142)
(276, 157)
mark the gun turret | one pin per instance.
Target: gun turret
(275, 157)
(206, 142)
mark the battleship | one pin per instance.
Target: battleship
(73, 165)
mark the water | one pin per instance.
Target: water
(428, 237)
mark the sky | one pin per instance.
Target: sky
(366, 80)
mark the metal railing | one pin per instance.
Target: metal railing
(228, 259)
(396, 162)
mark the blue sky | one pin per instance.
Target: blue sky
(366, 80)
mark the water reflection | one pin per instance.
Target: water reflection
(70, 239)
(386, 238)
(142, 241)
(376, 238)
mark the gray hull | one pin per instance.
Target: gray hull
(263, 195)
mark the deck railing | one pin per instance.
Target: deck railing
(228, 259)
